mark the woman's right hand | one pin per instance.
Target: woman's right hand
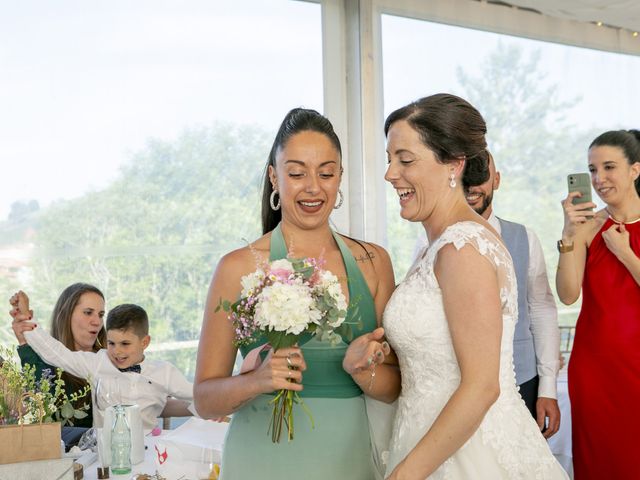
(20, 322)
(575, 216)
(280, 370)
(365, 352)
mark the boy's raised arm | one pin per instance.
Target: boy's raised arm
(80, 364)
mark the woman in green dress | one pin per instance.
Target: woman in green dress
(301, 190)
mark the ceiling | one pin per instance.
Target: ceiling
(612, 13)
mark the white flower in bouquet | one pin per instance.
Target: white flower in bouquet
(251, 282)
(28, 418)
(286, 307)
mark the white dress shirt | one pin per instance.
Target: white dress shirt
(149, 388)
(543, 314)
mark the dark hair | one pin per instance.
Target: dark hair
(61, 325)
(453, 129)
(627, 140)
(296, 121)
(128, 317)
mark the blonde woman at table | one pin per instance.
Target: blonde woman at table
(599, 253)
(301, 189)
(451, 321)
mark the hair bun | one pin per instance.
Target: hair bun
(476, 171)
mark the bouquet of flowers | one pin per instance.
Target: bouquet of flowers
(26, 400)
(282, 301)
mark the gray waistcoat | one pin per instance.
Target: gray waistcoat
(524, 355)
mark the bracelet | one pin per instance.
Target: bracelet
(565, 247)
(373, 376)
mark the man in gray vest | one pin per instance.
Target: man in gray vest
(536, 343)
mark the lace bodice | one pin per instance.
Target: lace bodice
(417, 328)
(414, 316)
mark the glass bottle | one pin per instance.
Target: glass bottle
(120, 443)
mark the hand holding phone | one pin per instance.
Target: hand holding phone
(580, 182)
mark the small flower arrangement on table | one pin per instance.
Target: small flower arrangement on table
(26, 400)
(282, 301)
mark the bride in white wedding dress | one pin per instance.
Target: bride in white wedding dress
(451, 321)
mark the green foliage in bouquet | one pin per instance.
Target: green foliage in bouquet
(27, 400)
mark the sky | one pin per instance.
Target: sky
(85, 84)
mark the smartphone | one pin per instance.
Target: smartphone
(580, 182)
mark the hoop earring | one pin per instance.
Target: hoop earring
(272, 200)
(452, 181)
(339, 204)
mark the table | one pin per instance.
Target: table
(560, 443)
(201, 434)
(147, 466)
(179, 453)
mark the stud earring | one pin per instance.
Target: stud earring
(272, 200)
(452, 181)
(339, 204)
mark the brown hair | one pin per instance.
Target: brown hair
(453, 129)
(296, 121)
(129, 317)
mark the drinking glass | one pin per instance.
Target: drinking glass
(107, 393)
(205, 469)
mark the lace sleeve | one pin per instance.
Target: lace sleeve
(490, 247)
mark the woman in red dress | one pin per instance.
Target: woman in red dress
(599, 252)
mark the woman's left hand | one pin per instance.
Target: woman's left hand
(366, 351)
(616, 238)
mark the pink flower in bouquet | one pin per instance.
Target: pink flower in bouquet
(282, 271)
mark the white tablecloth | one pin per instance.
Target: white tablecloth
(183, 460)
(560, 443)
(148, 466)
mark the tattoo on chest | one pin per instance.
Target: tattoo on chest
(365, 256)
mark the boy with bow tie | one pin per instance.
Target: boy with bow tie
(147, 383)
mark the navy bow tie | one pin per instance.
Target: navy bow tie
(132, 368)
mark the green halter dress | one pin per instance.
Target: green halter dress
(339, 446)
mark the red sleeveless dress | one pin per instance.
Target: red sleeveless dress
(604, 369)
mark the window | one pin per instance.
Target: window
(543, 104)
(134, 143)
